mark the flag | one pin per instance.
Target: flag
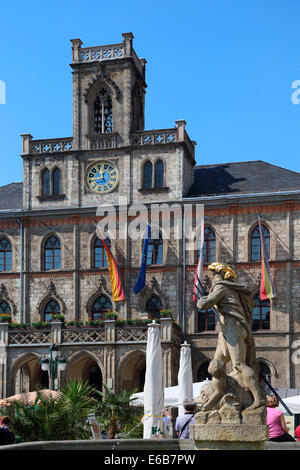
(197, 292)
(141, 280)
(267, 290)
(115, 279)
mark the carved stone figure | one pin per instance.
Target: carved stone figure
(235, 343)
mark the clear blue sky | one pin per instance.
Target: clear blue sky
(225, 66)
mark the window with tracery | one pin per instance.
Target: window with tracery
(101, 306)
(52, 253)
(154, 306)
(103, 117)
(5, 255)
(51, 308)
(155, 250)
(100, 259)
(154, 176)
(256, 245)
(261, 314)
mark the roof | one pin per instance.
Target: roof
(241, 178)
(11, 196)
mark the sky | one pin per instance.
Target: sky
(225, 66)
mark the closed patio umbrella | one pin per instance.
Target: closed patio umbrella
(185, 377)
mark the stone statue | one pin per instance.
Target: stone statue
(240, 389)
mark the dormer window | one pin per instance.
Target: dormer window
(103, 118)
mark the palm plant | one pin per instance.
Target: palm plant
(115, 411)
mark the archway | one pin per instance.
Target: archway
(203, 373)
(84, 366)
(132, 371)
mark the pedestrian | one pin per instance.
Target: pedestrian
(6, 434)
(278, 430)
(297, 433)
(182, 425)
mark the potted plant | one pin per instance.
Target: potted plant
(5, 318)
(166, 313)
(110, 316)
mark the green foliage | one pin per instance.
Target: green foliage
(115, 411)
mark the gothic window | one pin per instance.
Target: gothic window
(52, 307)
(101, 306)
(159, 174)
(255, 242)
(154, 306)
(265, 371)
(103, 118)
(206, 320)
(147, 175)
(209, 246)
(261, 314)
(155, 251)
(202, 373)
(4, 308)
(5, 255)
(52, 253)
(46, 189)
(56, 181)
(100, 259)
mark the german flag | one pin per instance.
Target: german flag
(267, 290)
(115, 279)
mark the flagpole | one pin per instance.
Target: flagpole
(183, 276)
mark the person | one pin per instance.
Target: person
(278, 430)
(167, 420)
(297, 433)
(182, 425)
(6, 434)
(235, 341)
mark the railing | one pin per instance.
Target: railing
(160, 136)
(51, 145)
(99, 53)
(102, 141)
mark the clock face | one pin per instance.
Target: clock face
(102, 177)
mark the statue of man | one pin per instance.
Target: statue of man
(234, 304)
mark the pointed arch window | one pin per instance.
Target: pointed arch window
(5, 255)
(265, 371)
(100, 259)
(256, 245)
(261, 314)
(159, 174)
(103, 117)
(51, 308)
(101, 306)
(5, 308)
(209, 246)
(52, 253)
(155, 250)
(46, 183)
(203, 373)
(154, 306)
(56, 181)
(147, 175)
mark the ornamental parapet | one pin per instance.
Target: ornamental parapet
(44, 146)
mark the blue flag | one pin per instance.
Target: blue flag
(141, 280)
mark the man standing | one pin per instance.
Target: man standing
(182, 425)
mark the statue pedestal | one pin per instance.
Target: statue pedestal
(230, 430)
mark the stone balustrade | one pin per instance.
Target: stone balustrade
(161, 136)
(58, 334)
(50, 145)
(100, 53)
(102, 141)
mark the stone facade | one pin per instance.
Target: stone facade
(71, 215)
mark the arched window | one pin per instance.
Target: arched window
(202, 373)
(52, 253)
(264, 369)
(154, 306)
(101, 306)
(147, 175)
(5, 255)
(46, 189)
(56, 181)
(155, 250)
(209, 246)
(159, 174)
(261, 314)
(52, 307)
(206, 320)
(4, 308)
(255, 242)
(100, 259)
(103, 118)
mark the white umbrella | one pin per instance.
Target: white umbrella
(293, 403)
(154, 388)
(171, 395)
(185, 377)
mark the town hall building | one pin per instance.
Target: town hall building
(54, 278)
